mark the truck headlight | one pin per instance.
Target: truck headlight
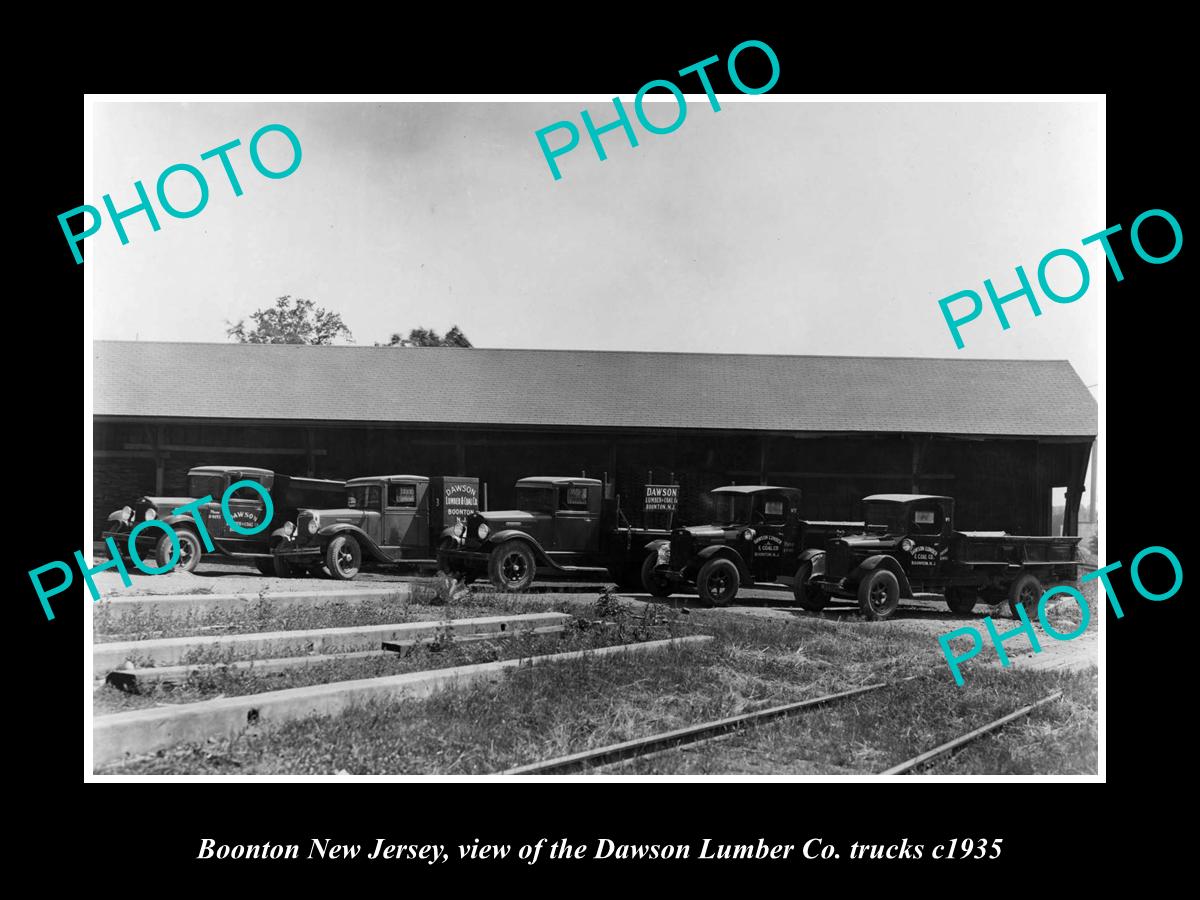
(483, 531)
(906, 545)
(151, 513)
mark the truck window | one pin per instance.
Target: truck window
(773, 510)
(575, 497)
(206, 485)
(363, 496)
(404, 495)
(927, 521)
(886, 513)
(535, 499)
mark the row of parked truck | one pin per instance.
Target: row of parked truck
(754, 534)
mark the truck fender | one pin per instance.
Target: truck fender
(370, 548)
(882, 561)
(540, 556)
(816, 557)
(653, 546)
(185, 521)
(732, 555)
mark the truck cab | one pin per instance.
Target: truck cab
(385, 519)
(559, 523)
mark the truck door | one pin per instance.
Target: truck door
(927, 528)
(577, 520)
(770, 521)
(406, 520)
(246, 507)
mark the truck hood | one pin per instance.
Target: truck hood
(703, 531)
(331, 516)
(500, 516)
(869, 542)
(167, 503)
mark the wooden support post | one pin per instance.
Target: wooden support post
(158, 461)
(919, 444)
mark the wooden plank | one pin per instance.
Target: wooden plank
(173, 651)
(121, 735)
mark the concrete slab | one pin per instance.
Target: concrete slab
(142, 731)
(171, 605)
(175, 651)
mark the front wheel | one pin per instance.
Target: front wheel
(961, 600)
(808, 596)
(655, 585)
(878, 595)
(511, 566)
(343, 557)
(718, 582)
(189, 551)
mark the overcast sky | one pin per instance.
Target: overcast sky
(768, 227)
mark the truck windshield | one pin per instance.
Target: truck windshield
(727, 509)
(206, 485)
(887, 514)
(536, 499)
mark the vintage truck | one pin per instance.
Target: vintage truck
(912, 546)
(288, 493)
(757, 536)
(387, 519)
(563, 524)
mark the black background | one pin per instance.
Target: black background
(131, 831)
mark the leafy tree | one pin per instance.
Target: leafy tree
(427, 337)
(290, 321)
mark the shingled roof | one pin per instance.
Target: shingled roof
(591, 389)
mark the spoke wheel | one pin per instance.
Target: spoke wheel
(343, 557)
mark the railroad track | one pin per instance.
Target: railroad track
(721, 729)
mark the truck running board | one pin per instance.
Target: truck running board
(590, 570)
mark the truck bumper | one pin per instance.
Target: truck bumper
(470, 560)
(830, 585)
(295, 553)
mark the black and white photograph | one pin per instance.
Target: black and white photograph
(515, 436)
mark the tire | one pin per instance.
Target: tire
(878, 595)
(718, 582)
(654, 585)
(512, 567)
(190, 551)
(343, 557)
(811, 598)
(281, 568)
(1025, 591)
(961, 600)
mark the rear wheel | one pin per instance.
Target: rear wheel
(655, 585)
(961, 600)
(718, 582)
(1025, 591)
(343, 557)
(878, 595)
(189, 551)
(808, 596)
(511, 566)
